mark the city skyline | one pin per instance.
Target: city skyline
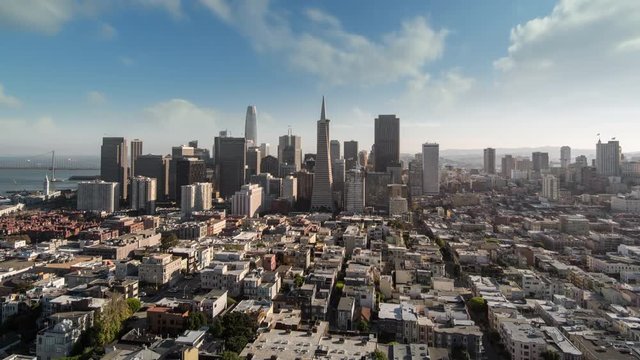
(142, 83)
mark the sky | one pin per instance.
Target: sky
(465, 74)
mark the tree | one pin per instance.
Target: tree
(168, 241)
(134, 304)
(477, 304)
(379, 355)
(459, 353)
(550, 355)
(363, 326)
(299, 280)
(286, 288)
(230, 355)
(236, 329)
(196, 320)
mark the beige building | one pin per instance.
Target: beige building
(159, 269)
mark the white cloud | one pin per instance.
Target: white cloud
(172, 7)
(8, 100)
(180, 112)
(108, 32)
(96, 98)
(330, 52)
(36, 15)
(126, 61)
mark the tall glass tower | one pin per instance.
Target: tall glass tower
(250, 126)
(321, 198)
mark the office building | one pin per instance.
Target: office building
(508, 165)
(582, 161)
(251, 126)
(376, 190)
(155, 167)
(322, 197)
(114, 166)
(289, 189)
(144, 194)
(253, 161)
(490, 161)
(550, 188)
(354, 192)
(363, 158)
(189, 171)
(334, 149)
(270, 164)
(305, 189)
(230, 160)
(608, 157)
(386, 147)
(136, 151)
(350, 154)
(565, 157)
(195, 197)
(290, 150)
(398, 206)
(540, 161)
(415, 176)
(247, 201)
(265, 149)
(430, 169)
(98, 196)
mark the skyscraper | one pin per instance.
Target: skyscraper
(508, 165)
(354, 192)
(323, 180)
(251, 126)
(143, 194)
(334, 147)
(608, 158)
(136, 151)
(387, 142)
(290, 150)
(253, 161)
(98, 196)
(550, 187)
(351, 154)
(231, 159)
(113, 163)
(189, 171)
(265, 149)
(156, 167)
(195, 197)
(540, 161)
(565, 157)
(490, 160)
(430, 168)
(247, 201)
(415, 176)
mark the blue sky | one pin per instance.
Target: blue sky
(466, 74)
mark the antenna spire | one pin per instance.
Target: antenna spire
(322, 112)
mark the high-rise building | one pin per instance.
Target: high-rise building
(253, 161)
(608, 158)
(265, 149)
(350, 154)
(195, 197)
(269, 164)
(189, 171)
(387, 142)
(581, 161)
(550, 187)
(231, 159)
(334, 149)
(323, 180)
(247, 201)
(251, 126)
(155, 167)
(136, 151)
(114, 166)
(430, 168)
(376, 190)
(363, 158)
(490, 160)
(354, 192)
(540, 161)
(338, 173)
(98, 196)
(290, 150)
(565, 157)
(289, 189)
(415, 176)
(508, 165)
(305, 189)
(398, 206)
(144, 194)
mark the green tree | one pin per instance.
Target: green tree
(196, 320)
(134, 304)
(236, 343)
(230, 355)
(363, 326)
(477, 304)
(459, 353)
(550, 355)
(168, 241)
(236, 329)
(298, 280)
(379, 355)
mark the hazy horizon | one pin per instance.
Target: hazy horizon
(170, 71)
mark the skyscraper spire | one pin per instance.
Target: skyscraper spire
(250, 125)
(321, 198)
(322, 112)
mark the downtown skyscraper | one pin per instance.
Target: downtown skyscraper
(386, 147)
(113, 163)
(251, 126)
(136, 151)
(608, 157)
(430, 169)
(323, 179)
(490, 160)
